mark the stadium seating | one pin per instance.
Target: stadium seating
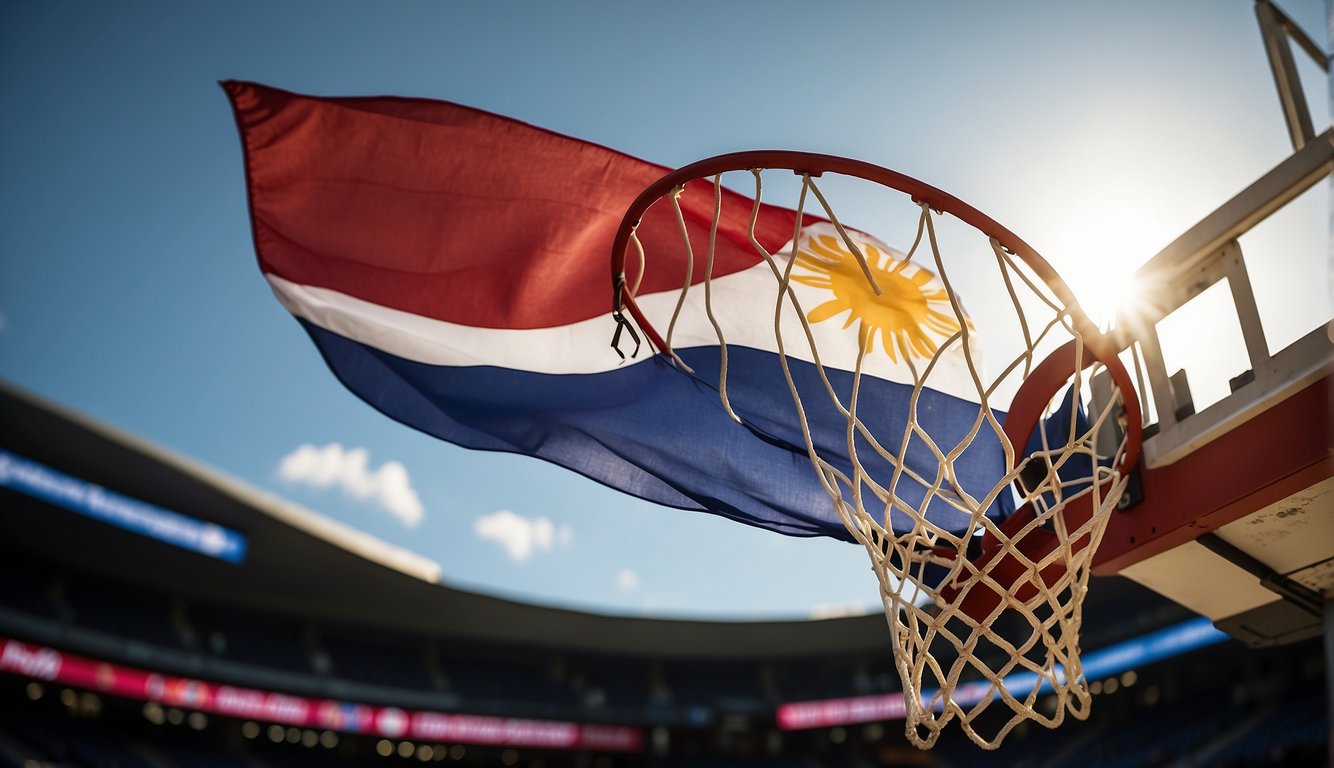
(354, 656)
(250, 637)
(1226, 706)
(117, 610)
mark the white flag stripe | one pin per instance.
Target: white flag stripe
(742, 302)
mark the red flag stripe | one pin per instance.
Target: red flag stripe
(460, 215)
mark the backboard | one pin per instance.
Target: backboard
(1231, 513)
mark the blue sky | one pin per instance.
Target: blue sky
(128, 286)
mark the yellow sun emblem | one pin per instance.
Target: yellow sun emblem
(906, 314)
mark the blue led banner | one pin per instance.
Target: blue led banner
(52, 486)
(1139, 651)
(1114, 659)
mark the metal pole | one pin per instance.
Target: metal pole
(1329, 602)
(1329, 672)
(1286, 79)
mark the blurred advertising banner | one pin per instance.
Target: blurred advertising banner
(43, 663)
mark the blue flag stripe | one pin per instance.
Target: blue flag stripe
(655, 432)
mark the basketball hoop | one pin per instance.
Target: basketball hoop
(981, 579)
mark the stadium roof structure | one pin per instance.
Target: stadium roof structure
(305, 565)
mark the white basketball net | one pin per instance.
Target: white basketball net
(952, 664)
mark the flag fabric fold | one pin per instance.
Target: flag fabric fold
(452, 267)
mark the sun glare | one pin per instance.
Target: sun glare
(1102, 245)
(1103, 294)
(910, 314)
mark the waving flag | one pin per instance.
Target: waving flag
(452, 267)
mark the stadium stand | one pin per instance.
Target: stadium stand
(367, 656)
(121, 612)
(304, 618)
(611, 685)
(266, 640)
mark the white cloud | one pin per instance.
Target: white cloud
(333, 466)
(627, 580)
(521, 536)
(839, 610)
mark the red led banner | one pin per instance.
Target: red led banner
(44, 663)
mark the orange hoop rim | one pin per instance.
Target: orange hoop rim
(1024, 416)
(816, 165)
(1045, 381)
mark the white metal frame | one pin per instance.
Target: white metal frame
(1209, 252)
